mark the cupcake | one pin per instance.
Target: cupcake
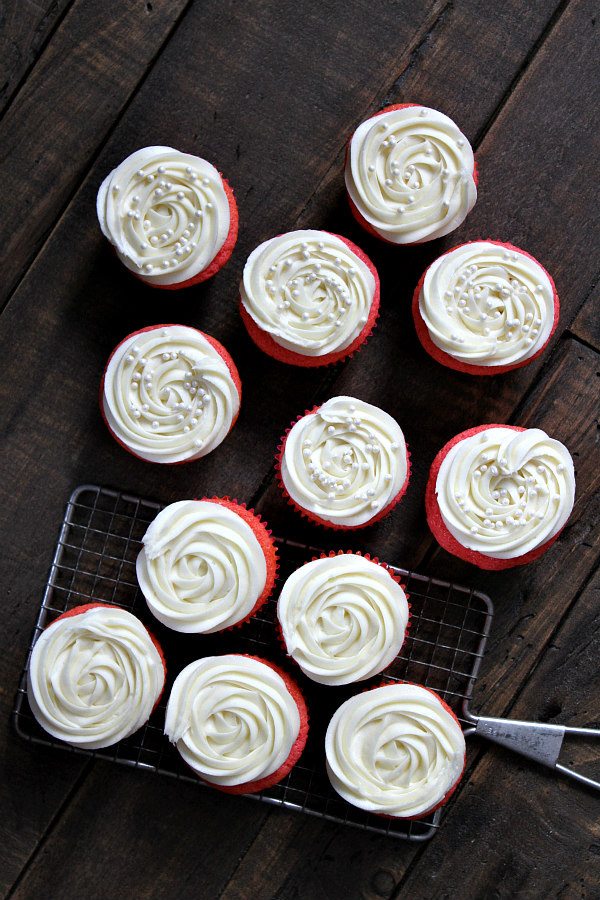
(170, 394)
(309, 298)
(498, 495)
(171, 217)
(206, 565)
(396, 751)
(344, 464)
(94, 676)
(238, 721)
(410, 174)
(485, 307)
(343, 618)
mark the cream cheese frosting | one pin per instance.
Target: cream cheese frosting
(309, 291)
(487, 305)
(345, 462)
(94, 678)
(201, 568)
(168, 394)
(504, 493)
(343, 618)
(232, 719)
(409, 173)
(165, 212)
(395, 750)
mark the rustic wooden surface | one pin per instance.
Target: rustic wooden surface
(270, 90)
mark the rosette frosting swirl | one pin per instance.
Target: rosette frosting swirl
(168, 395)
(309, 291)
(503, 492)
(94, 677)
(232, 719)
(165, 212)
(201, 568)
(395, 750)
(487, 304)
(345, 462)
(343, 618)
(409, 173)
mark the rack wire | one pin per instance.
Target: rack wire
(95, 555)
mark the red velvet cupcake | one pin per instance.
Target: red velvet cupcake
(498, 496)
(485, 307)
(206, 565)
(309, 298)
(170, 216)
(421, 751)
(410, 174)
(344, 464)
(95, 675)
(238, 721)
(170, 394)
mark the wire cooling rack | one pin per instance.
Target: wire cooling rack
(95, 556)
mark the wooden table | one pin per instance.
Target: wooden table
(270, 90)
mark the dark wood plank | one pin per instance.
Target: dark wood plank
(24, 27)
(62, 114)
(587, 322)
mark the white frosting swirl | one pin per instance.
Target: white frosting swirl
(343, 618)
(504, 493)
(168, 395)
(487, 305)
(94, 678)
(394, 750)
(409, 172)
(165, 212)
(309, 291)
(346, 462)
(201, 568)
(232, 719)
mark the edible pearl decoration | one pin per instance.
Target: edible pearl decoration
(409, 173)
(165, 212)
(346, 462)
(168, 395)
(395, 750)
(309, 291)
(232, 719)
(487, 305)
(504, 493)
(94, 678)
(343, 618)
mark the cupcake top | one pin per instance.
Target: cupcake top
(94, 677)
(309, 291)
(165, 212)
(504, 492)
(487, 304)
(344, 462)
(201, 568)
(409, 173)
(232, 719)
(343, 618)
(396, 750)
(168, 394)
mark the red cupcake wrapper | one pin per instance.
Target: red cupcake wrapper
(393, 576)
(264, 536)
(354, 209)
(78, 610)
(312, 517)
(220, 259)
(445, 358)
(223, 353)
(253, 787)
(265, 342)
(438, 528)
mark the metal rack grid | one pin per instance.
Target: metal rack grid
(98, 543)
